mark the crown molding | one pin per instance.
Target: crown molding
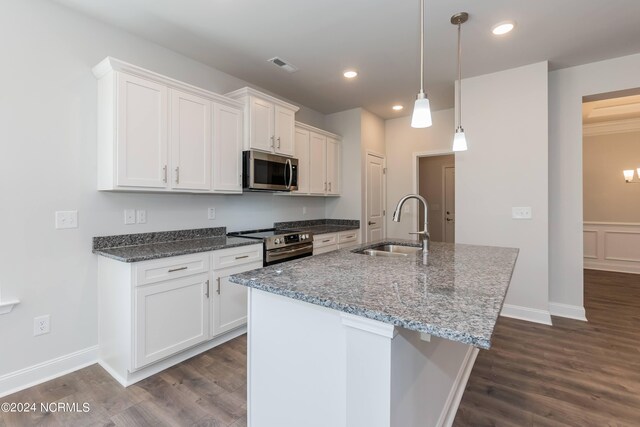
(611, 126)
(317, 130)
(249, 91)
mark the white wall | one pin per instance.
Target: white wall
(505, 118)
(48, 122)
(566, 89)
(402, 142)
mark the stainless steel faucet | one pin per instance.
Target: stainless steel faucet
(424, 234)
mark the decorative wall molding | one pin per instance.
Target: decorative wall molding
(525, 313)
(611, 126)
(612, 246)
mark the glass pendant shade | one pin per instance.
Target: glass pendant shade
(628, 174)
(459, 140)
(421, 112)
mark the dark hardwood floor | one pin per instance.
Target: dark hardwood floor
(571, 374)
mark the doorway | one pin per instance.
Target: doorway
(375, 227)
(436, 183)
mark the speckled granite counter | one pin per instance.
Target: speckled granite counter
(457, 295)
(146, 246)
(319, 226)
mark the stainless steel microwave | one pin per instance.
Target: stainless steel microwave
(268, 172)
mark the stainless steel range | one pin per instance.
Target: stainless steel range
(280, 246)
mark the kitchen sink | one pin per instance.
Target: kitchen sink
(390, 251)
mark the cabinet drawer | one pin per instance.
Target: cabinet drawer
(236, 256)
(171, 268)
(322, 240)
(347, 237)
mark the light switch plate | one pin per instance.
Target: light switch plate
(66, 219)
(523, 212)
(141, 216)
(211, 213)
(129, 216)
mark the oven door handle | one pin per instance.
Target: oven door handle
(290, 181)
(291, 251)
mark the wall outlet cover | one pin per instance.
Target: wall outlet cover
(129, 216)
(522, 212)
(141, 216)
(211, 213)
(66, 219)
(41, 325)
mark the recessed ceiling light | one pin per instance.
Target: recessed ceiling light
(397, 107)
(350, 74)
(503, 27)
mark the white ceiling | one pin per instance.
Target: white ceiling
(379, 38)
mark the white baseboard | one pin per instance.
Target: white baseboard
(575, 312)
(448, 414)
(524, 313)
(45, 371)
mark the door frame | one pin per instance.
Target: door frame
(416, 177)
(365, 237)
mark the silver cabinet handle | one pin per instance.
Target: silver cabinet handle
(164, 169)
(272, 138)
(329, 186)
(178, 175)
(243, 256)
(326, 240)
(325, 186)
(207, 291)
(278, 142)
(178, 269)
(218, 286)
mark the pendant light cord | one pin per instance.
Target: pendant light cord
(459, 76)
(421, 46)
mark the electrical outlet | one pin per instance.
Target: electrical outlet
(211, 213)
(41, 325)
(66, 219)
(304, 210)
(141, 216)
(129, 216)
(521, 212)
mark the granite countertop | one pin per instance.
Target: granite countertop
(146, 246)
(457, 295)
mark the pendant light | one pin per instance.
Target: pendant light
(459, 139)
(421, 111)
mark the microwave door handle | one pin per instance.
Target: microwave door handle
(288, 185)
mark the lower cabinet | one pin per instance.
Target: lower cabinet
(154, 314)
(323, 243)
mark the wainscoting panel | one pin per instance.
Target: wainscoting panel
(612, 246)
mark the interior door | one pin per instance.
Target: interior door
(375, 226)
(191, 141)
(227, 148)
(449, 204)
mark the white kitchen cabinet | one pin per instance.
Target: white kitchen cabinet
(169, 317)
(154, 314)
(156, 134)
(227, 148)
(269, 122)
(141, 110)
(301, 150)
(323, 243)
(348, 239)
(190, 141)
(319, 161)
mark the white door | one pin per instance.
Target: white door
(333, 166)
(142, 143)
(261, 125)
(301, 153)
(449, 204)
(284, 131)
(375, 226)
(191, 141)
(227, 148)
(317, 163)
(170, 317)
(229, 299)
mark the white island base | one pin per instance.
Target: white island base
(314, 366)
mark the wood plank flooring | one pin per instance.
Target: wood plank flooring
(571, 374)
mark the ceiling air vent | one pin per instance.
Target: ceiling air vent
(283, 65)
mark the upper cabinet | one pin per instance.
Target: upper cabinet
(270, 122)
(319, 156)
(158, 134)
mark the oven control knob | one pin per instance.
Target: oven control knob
(277, 241)
(302, 237)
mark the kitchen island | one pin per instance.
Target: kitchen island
(347, 339)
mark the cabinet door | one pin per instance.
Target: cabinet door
(191, 142)
(230, 299)
(301, 152)
(285, 123)
(142, 123)
(227, 148)
(333, 166)
(317, 163)
(170, 317)
(261, 135)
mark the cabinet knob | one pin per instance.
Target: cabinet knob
(178, 175)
